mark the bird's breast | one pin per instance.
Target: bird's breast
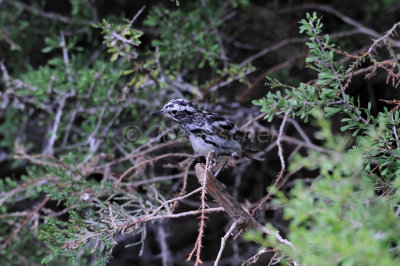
(199, 145)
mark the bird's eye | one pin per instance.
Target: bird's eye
(174, 112)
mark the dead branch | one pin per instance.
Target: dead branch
(203, 217)
(231, 206)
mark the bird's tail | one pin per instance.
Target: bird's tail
(250, 147)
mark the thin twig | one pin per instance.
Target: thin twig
(27, 218)
(255, 257)
(165, 253)
(251, 121)
(202, 224)
(223, 241)
(148, 218)
(281, 158)
(138, 153)
(279, 144)
(335, 12)
(137, 15)
(272, 48)
(161, 178)
(184, 185)
(300, 130)
(151, 161)
(47, 15)
(383, 37)
(53, 135)
(395, 130)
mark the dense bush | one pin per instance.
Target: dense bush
(87, 175)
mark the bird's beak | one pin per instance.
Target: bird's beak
(156, 113)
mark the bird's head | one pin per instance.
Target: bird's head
(178, 110)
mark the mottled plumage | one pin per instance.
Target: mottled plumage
(208, 131)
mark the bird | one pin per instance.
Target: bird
(209, 131)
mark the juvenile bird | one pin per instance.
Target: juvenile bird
(208, 131)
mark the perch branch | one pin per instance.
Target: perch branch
(231, 206)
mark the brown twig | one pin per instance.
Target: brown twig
(383, 38)
(167, 155)
(27, 218)
(137, 153)
(251, 121)
(217, 190)
(203, 217)
(149, 218)
(184, 185)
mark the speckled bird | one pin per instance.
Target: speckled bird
(208, 131)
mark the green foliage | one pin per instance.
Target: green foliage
(27, 246)
(99, 212)
(338, 219)
(8, 128)
(186, 37)
(59, 77)
(120, 39)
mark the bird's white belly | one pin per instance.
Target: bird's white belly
(203, 148)
(200, 146)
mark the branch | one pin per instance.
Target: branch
(383, 37)
(165, 253)
(336, 13)
(203, 217)
(280, 149)
(231, 206)
(148, 218)
(223, 242)
(49, 148)
(151, 161)
(281, 158)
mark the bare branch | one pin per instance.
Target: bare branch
(137, 15)
(281, 158)
(165, 253)
(151, 161)
(202, 224)
(53, 135)
(223, 241)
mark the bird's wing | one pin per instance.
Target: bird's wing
(221, 126)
